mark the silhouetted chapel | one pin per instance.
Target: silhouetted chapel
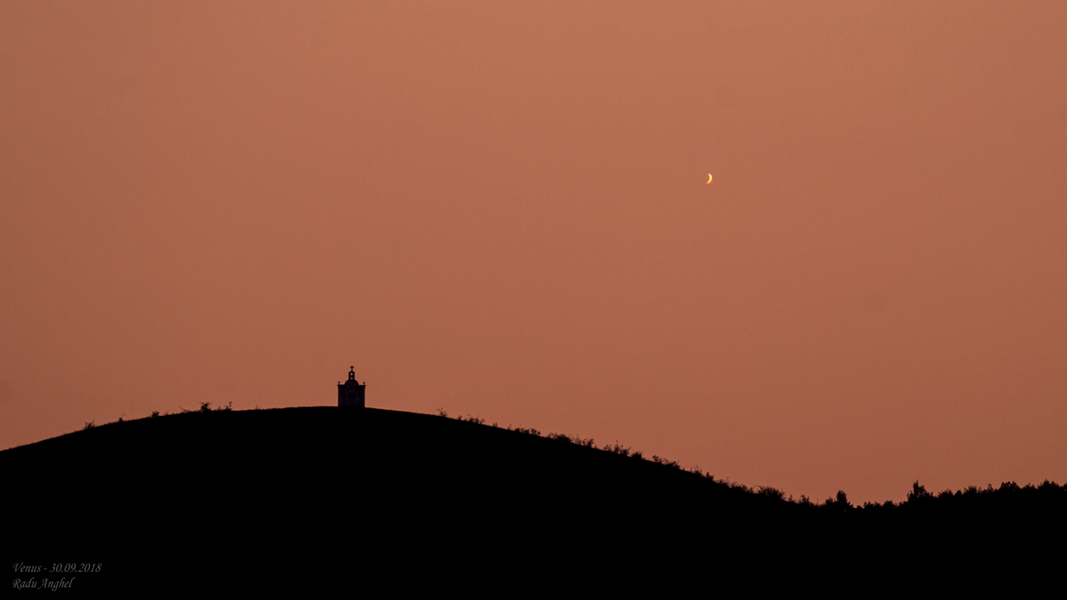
(352, 392)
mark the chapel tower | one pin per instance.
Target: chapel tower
(352, 392)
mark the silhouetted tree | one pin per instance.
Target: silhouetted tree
(839, 503)
(918, 493)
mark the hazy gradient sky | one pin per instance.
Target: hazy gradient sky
(499, 209)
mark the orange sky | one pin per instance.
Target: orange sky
(500, 209)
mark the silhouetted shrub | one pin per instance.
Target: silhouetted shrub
(205, 407)
(766, 490)
(155, 413)
(659, 460)
(589, 443)
(89, 425)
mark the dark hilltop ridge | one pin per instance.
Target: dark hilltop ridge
(323, 496)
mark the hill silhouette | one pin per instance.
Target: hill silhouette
(321, 497)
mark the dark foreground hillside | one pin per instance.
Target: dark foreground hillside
(335, 498)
